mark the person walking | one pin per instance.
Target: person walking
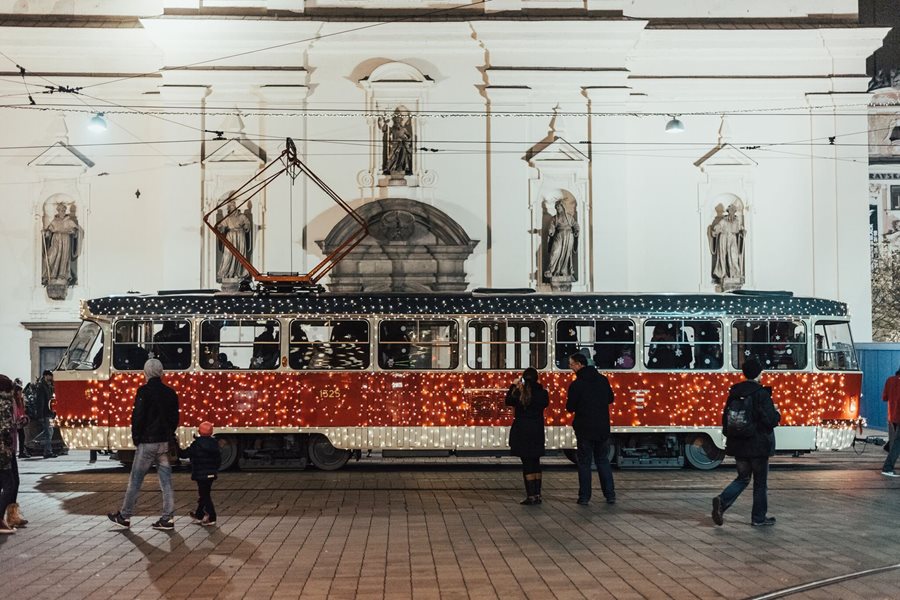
(8, 469)
(891, 395)
(43, 402)
(526, 436)
(154, 420)
(205, 460)
(13, 515)
(748, 422)
(590, 396)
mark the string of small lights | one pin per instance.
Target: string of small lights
(463, 303)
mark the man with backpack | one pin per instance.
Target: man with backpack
(748, 422)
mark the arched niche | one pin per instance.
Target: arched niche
(412, 247)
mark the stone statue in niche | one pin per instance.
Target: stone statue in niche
(62, 239)
(237, 225)
(726, 236)
(396, 144)
(562, 240)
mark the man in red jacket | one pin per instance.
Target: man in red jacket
(891, 395)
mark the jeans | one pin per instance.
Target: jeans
(144, 457)
(47, 432)
(891, 459)
(598, 451)
(204, 502)
(758, 468)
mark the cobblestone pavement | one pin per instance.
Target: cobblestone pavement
(389, 528)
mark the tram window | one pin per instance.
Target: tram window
(329, 345)
(506, 344)
(834, 346)
(232, 344)
(606, 344)
(86, 350)
(136, 341)
(779, 345)
(683, 344)
(418, 345)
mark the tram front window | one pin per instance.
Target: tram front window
(239, 345)
(86, 350)
(834, 346)
(135, 342)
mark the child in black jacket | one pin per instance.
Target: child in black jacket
(205, 459)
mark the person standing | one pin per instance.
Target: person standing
(8, 468)
(891, 395)
(752, 447)
(43, 401)
(13, 517)
(205, 460)
(22, 419)
(154, 420)
(590, 396)
(526, 436)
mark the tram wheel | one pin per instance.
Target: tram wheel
(228, 446)
(702, 454)
(325, 456)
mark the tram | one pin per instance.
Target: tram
(291, 378)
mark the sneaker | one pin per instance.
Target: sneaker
(164, 524)
(206, 522)
(54, 455)
(196, 518)
(583, 501)
(889, 474)
(717, 511)
(119, 520)
(766, 523)
(6, 529)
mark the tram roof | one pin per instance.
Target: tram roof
(469, 303)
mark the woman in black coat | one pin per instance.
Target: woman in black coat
(526, 436)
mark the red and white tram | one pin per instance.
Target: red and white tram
(291, 377)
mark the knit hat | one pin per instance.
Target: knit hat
(153, 368)
(206, 428)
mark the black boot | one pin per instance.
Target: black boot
(529, 490)
(537, 490)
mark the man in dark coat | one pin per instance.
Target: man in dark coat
(589, 398)
(751, 452)
(153, 424)
(44, 398)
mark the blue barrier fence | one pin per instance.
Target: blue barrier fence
(878, 362)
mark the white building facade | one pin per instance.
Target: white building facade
(514, 109)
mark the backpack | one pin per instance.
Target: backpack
(739, 420)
